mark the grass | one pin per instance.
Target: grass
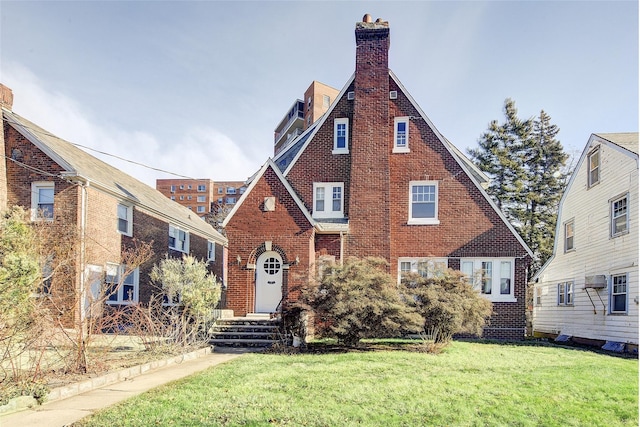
(469, 384)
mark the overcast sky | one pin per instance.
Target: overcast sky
(197, 88)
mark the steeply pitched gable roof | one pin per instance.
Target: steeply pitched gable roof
(79, 164)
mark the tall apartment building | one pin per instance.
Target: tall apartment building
(317, 99)
(201, 195)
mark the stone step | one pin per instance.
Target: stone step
(241, 342)
(243, 334)
(246, 328)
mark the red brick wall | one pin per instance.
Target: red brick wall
(286, 227)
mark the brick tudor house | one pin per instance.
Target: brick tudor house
(372, 177)
(59, 182)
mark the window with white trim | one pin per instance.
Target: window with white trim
(202, 199)
(211, 251)
(42, 200)
(593, 167)
(425, 267)
(328, 200)
(230, 200)
(173, 188)
(340, 136)
(619, 294)
(423, 202)
(538, 295)
(231, 190)
(492, 277)
(619, 216)
(121, 289)
(178, 239)
(125, 219)
(401, 135)
(565, 293)
(569, 228)
(202, 187)
(200, 209)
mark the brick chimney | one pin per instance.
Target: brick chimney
(6, 101)
(370, 143)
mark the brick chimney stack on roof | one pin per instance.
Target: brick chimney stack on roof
(6, 97)
(370, 142)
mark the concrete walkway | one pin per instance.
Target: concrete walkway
(63, 412)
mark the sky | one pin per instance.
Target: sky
(197, 88)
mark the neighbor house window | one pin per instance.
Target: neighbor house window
(565, 293)
(201, 199)
(538, 295)
(178, 239)
(211, 250)
(230, 200)
(423, 202)
(42, 200)
(619, 216)
(619, 293)
(200, 209)
(121, 288)
(492, 277)
(173, 188)
(220, 190)
(568, 235)
(326, 101)
(231, 190)
(594, 167)
(328, 200)
(425, 267)
(401, 135)
(340, 136)
(125, 219)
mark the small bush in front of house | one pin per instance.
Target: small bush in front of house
(448, 304)
(359, 299)
(190, 294)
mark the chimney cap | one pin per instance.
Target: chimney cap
(367, 18)
(368, 24)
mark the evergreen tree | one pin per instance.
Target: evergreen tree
(525, 162)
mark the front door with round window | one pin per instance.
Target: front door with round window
(268, 282)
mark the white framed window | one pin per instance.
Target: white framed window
(425, 267)
(121, 289)
(230, 200)
(340, 136)
(211, 250)
(423, 202)
(200, 209)
(220, 190)
(401, 135)
(593, 167)
(538, 295)
(492, 277)
(182, 187)
(189, 197)
(173, 198)
(242, 190)
(42, 200)
(188, 187)
(565, 293)
(202, 199)
(231, 190)
(173, 188)
(178, 239)
(619, 294)
(181, 197)
(125, 219)
(326, 101)
(619, 216)
(569, 229)
(202, 188)
(328, 200)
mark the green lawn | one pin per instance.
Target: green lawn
(468, 384)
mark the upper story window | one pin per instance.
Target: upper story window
(619, 216)
(423, 202)
(125, 219)
(121, 288)
(200, 209)
(42, 200)
(188, 187)
(178, 239)
(230, 200)
(569, 228)
(231, 190)
(565, 293)
(401, 135)
(242, 190)
(211, 250)
(619, 294)
(173, 198)
(493, 277)
(173, 188)
(593, 162)
(328, 200)
(202, 187)
(220, 190)
(340, 136)
(425, 267)
(201, 199)
(326, 101)
(182, 187)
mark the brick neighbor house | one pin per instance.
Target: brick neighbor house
(373, 177)
(59, 182)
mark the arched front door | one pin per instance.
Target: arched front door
(268, 282)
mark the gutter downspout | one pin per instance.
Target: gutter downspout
(341, 248)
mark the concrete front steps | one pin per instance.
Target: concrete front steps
(254, 330)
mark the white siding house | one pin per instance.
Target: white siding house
(588, 290)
